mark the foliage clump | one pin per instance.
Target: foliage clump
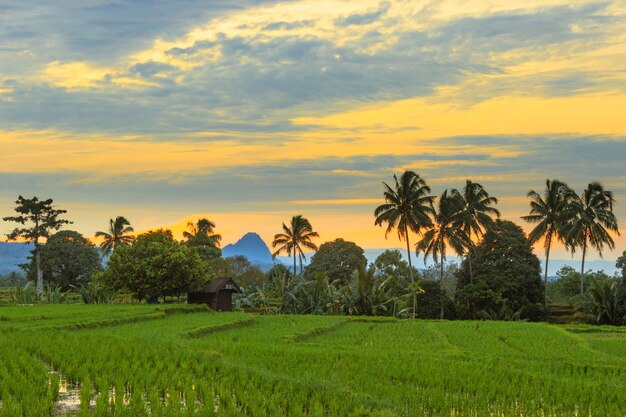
(506, 277)
(155, 265)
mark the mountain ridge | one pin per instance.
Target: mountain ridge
(252, 247)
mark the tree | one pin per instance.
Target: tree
(565, 287)
(507, 277)
(116, 236)
(154, 265)
(40, 219)
(621, 264)
(608, 301)
(395, 274)
(408, 207)
(337, 259)
(69, 260)
(203, 238)
(295, 237)
(476, 216)
(590, 218)
(363, 295)
(446, 231)
(549, 214)
(277, 270)
(241, 270)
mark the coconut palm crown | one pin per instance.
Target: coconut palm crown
(117, 235)
(408, 207)
(204, 230)
(476, 215)
(549, 213)
(446, 231)
(296, 237)
(590, 218)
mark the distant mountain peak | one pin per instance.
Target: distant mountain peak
(251, 246)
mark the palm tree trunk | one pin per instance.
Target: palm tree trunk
(39, 286)
(582, 268)
(408, 252)
(441, 279)
(469, 261)
(545, 274)
(294, 264)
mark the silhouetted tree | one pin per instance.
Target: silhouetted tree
(39, 219)
(295, 238)
(549, 213)
(118, 235)
(590, 218)
(408, 207)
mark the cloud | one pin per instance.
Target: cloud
(364, 18)
(255, 69)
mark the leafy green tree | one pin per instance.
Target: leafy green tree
(395, 274)
(450, 272)
(428, 301)
(363, 294)
(408, 207)
(566, 287)
(38, 218)
(203, 238)
(446, 231)
(155, 265)
(590, 219)
(607, 298)
(621, 264)
(295, 238)
(507, 277)
(477, 213)
(390, 264)
(244, 272)
(337, 259)
(69, 259)
(276, 270)
(118, 235)
(549, 213)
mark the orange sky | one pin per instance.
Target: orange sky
(250, 115)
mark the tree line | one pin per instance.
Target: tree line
(492, 280)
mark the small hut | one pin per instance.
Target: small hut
(217, 294)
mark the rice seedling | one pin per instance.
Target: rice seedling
(234, 364)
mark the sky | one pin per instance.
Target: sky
(253, 111)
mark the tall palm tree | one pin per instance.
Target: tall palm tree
(477, 213)
(203, 229)
(295, 237)
(202, 236)
(590, 219)
(549, 213)
(446, 231)
(117, 235)
(408, 207)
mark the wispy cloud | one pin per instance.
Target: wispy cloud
(275, 106)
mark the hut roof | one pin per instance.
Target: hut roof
(221, 284)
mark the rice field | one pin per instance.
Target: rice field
(186, 361)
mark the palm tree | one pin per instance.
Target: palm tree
(295, 237)
(446, 231)
(590, 219)
(549, 214)
(408, 206)
(202, 236)
(203, 229)
(476, 215)
(117, 235)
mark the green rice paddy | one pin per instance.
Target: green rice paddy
(184, 361)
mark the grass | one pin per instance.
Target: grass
(204, 363)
